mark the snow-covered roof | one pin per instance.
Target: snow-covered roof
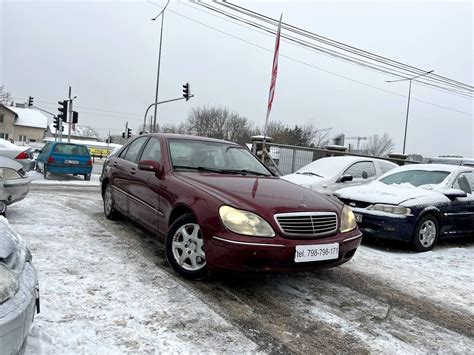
(29, 117)
(428, 167)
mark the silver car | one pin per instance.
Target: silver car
(327, 175)
(23, 155)
(14, 183)
(19, 294)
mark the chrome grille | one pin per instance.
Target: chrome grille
(307, 223)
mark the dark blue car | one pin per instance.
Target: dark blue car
(416, 203)
(65, 158)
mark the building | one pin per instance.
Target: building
(77, 132)
(22, 124)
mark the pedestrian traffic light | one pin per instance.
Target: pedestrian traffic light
(30, 101)
(75, 116)
(63, 109)
(56, 122)
(129, 132)
(186, 91)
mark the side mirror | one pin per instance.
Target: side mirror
(453, 193)
(345, 178)
(149, 165)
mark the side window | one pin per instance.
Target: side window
(134, 149)
(385, 166)
(361, 170)
(465, 182)
(152, 150)
(46, 148)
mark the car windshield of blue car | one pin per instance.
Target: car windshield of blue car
(416, 177)
(216, 157)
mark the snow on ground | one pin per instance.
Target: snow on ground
(443, 275)
(37, 178)
(100, 295)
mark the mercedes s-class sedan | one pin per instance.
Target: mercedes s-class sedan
(217, 207)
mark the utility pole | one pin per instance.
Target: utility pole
(162, 13)
(408, 102)
(69, 117)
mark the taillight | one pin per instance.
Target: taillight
(50, 160)
(89, 162)
(23, 155)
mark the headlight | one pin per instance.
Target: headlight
(8, 284)
(390, 209)
(348, 221)
(244, 222)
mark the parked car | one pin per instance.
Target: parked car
(416, 203)
(19, 295)
(327, 175)
(65, 158)
(23, 155)
(218, 207)
(14, 183)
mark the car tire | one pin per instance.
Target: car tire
(185, 248)
(87, 177)
(426, 233)
(109, 210)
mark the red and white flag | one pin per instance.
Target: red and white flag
(271, 93)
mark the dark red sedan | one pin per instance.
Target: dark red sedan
(217, 207)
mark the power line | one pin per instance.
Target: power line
(315, 67)
(340, 45)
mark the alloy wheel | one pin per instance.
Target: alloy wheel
(427, 233)
(188, 247)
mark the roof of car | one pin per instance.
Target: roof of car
(354, 158)
(186, 136)
(430, 167)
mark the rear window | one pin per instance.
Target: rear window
(71, 149)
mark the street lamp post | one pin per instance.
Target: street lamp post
(162, 13)
(408, 103)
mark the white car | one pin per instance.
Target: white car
(23, 155)
(327, 175)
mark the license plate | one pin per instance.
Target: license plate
(318, 252)
(358, 217)
(71, 161)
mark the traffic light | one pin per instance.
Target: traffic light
(75, 116)
(129, 132)
(56, 122)
(186, 91)
(30, 101)
(123, 134)
(63, 109)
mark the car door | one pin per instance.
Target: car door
(362, 172)
(43, 156)
(147, 187)
(124, 167)
(460, 212)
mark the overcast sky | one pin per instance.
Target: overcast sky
(107, 51)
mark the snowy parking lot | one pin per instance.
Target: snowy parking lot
(106, 288)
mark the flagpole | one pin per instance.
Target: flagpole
(271, 92)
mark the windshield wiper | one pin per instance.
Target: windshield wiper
(244, 172)
(200, 168)
(309, 173)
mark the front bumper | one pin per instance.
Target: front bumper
(225, 251)
(17, 314)
(385, 225)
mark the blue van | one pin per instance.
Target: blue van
(64, 158)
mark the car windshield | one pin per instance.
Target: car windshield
(416, 177)
(70, 149)
(201, 155)
(325, 167)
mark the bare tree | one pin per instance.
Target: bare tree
(86, 131)
(379, 145)
(5, 97)
(179, 128)
(220, 123)
(306, 135)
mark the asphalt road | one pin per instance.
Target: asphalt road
(327, 311)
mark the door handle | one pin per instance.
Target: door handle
(115, 163)
(132, 171)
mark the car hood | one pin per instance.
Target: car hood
(261, 194)
(378, 192)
